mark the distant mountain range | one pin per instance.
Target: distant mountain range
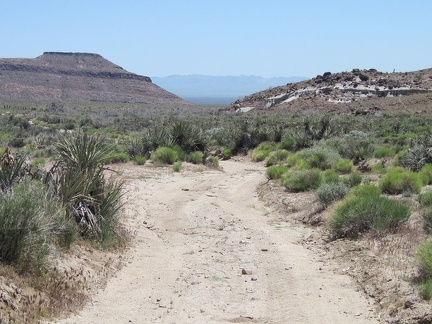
(218, 90)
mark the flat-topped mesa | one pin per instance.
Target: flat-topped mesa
(69, 76)
(72, 54)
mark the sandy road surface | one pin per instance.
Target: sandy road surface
(195, 234)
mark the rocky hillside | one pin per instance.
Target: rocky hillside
(77, 77)
(355, 92)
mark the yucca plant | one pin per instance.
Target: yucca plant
(78, 177)
(11, 169)
(188, 137)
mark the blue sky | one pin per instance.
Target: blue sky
(226, 37)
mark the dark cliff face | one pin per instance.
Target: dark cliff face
(77, 77)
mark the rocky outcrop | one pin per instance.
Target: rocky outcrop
(357, 92)
(58, 76)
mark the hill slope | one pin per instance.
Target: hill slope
(357, 92)
(76, 77)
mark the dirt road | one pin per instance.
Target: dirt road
(207, 250)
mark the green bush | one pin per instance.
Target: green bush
(382, 152)
(427, 218)
(140, 160)
(426, 170)
(343, 166)
(425, 198)
(165, 155)
(365, 191)
(295, 161)
(213, 161)
(177, 166)
(287, 143)
(424, 258)
(358, 146)
(181, 154)
(398, 182)
(118, 157)
(425, 289)
(261, 152)
(367, 212)
(30, 215)
(196, 157)
(38, 161)
(329, 176)
(266, 146)
(328, 193)
(379, 169)
(320, 157)
(227, 153)
(276, 157)
(352, 179)
(275, 171)
(301, 180)
(259, 155)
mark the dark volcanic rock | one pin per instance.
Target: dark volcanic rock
(352, 92)
(77, 77)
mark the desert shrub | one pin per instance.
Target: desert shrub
(293, 160)
(259, 155)
(401, 158)
(30, 215)
(427, 218)
(276, 157)
(379, 169)
(118, 157)
(301, 180)
(17, 142)
(177, 166)
(367, 212)
(266, 146)
(398, 182)
(181, 154)
(357, 147)
(287, 143)
(275, 171)
(213, 161)
(38, 161)
(165, 155)
(262, 151)
(343, 166)
(425, 289)
(382, 152)
(196, 157)
(329, 176)
(365, 190)
(426, 170)
(352, 179)
(227, 153)
(320, 157)
(425, 198)
(423, 256)
(327, 193)
(140, 160)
